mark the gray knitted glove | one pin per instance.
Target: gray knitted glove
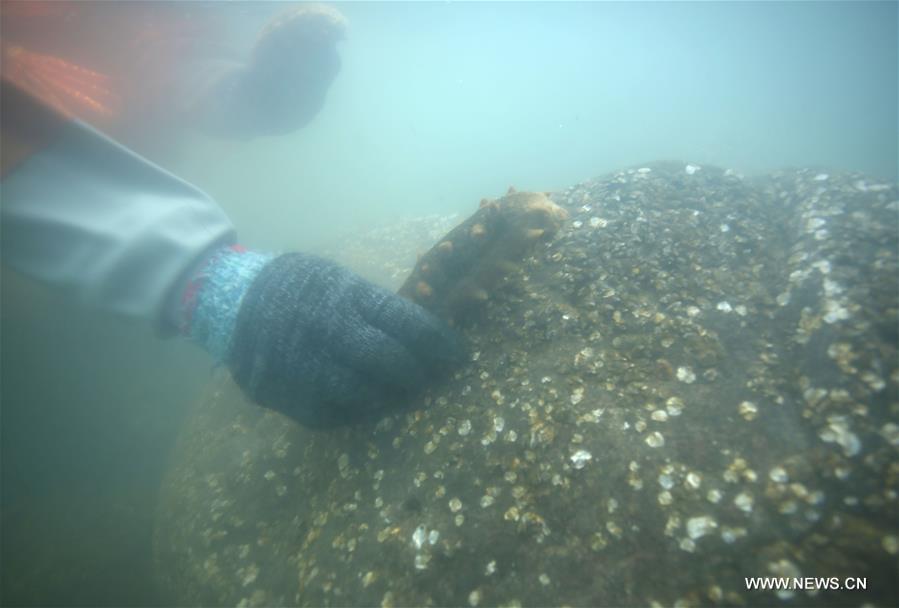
(320, 344)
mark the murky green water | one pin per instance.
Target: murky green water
(437, 105)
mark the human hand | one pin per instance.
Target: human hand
(319, 343)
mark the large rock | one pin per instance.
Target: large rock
(694, 383)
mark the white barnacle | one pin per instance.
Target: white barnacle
(874, 381)
(418, 537)
(580, 458)
(474, 598)
(655, 440)
(614, 529)
(249, 574)
(577, 395)
(890, 432)
(786, 569)
(822, 266)
(778, 475)
(489, 438)
(685, 374)
(672, 525)
(731, 535)
(748, 410)
(693, 480)
(421, 561)
(698, 527)
(674, 406)
(838, 432)
(814, 223)
(744, 501)
(832, 288)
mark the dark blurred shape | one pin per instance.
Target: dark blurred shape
(137, 70)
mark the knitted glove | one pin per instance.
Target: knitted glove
(304, 336)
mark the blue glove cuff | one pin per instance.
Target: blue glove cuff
(213, 297)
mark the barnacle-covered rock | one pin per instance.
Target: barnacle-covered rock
(697, 375)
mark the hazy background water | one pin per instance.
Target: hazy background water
(437, 105)
(441, 104)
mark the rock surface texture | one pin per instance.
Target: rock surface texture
(695, 381)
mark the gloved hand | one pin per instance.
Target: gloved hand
(304, 336)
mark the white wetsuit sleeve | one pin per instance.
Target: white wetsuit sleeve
(89, 214)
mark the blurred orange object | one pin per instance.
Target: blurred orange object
(37, 8)
(32, 48)
(71, 89)
(115, 65)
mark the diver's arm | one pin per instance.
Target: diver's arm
(86, 213)
(300, 334)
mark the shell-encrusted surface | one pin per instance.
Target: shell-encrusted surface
(696, 378)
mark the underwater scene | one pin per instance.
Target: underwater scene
(449, 304)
